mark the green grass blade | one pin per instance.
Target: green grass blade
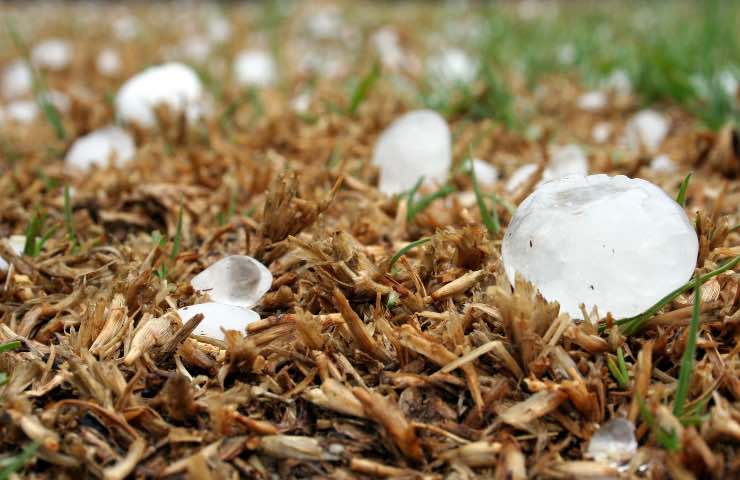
(363, 88)
(632, 325)
(178, 237)
(490, 221)
(681, 198)
(19, 461)
(427, 200)
(40, 90)
(687, 361)
(406, 249)
(33, 230)
(8, 346)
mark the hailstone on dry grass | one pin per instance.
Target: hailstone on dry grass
(237, 280)
(255, 68)
(173, 85)
(416, 144)
(616, 243)
(99, 147)
(217, 318)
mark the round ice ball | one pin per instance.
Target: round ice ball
(416, 144)
(617, 243)
(172, 84)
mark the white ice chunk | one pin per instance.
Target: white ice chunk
(485, 173)
(647, 129)
(22, 111)
(301, 102)
(219, 28)
(601, 132)
(452, 66)
(619, 81)
(108, 62)
(613, 443)
(125, 27)
(218, 316)
(172, 84)
(196, 48)
(592, 101)
(54, 54)
(387, 44)
(519, 176)
(617, 243)
(234, 280)
(255, 68)
(17, 79)
(326, 23)
(416, 144)
(99, 147)
(663, 164)
(17, 243)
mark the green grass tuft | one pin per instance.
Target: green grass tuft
(490, 220)
(687, 361)
(363, 87)
(10, 466)
(406, 249)
(681, 198)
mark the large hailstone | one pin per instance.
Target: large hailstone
(218, 316)
(172, 84)
(54, 54)
(613, 443)
(646, 129)
(234, 280)
(416, 144)
(616, 243)
(255, 68)
(108, 62)
(99, 147)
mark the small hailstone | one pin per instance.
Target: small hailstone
(386, 43)
(234, 280)
(54, 54)
(614, 442)
(125, 27)
(485, 173)
(17, 244)
(255, 68)
(328, 63)
(22, 111)
(663, 164)
(99, 147)
(564, 160)
(59, 100)
(452, 66)
(326, 23)
(729, 82)
(301, 103)
(17, 79)
(416, 144)
(619, 81)
(108, 62)
(172, 84)
(217, 316)
(196, 48)
(601, 132)
(219, 28)
(616, 243)
(567, 54)
(592, 101)
(519, 176)
(647, 129)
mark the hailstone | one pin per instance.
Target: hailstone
(218, 316)
(172, 84)
(54, 54)
(17, 244)
(452, 66)
(646, 129)
(416, 144)
(17, 79)
(564, 160)
(237, 280)
(99, 147)
(614, 442)
(616, 243)
(108, 62)
(255, 68)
